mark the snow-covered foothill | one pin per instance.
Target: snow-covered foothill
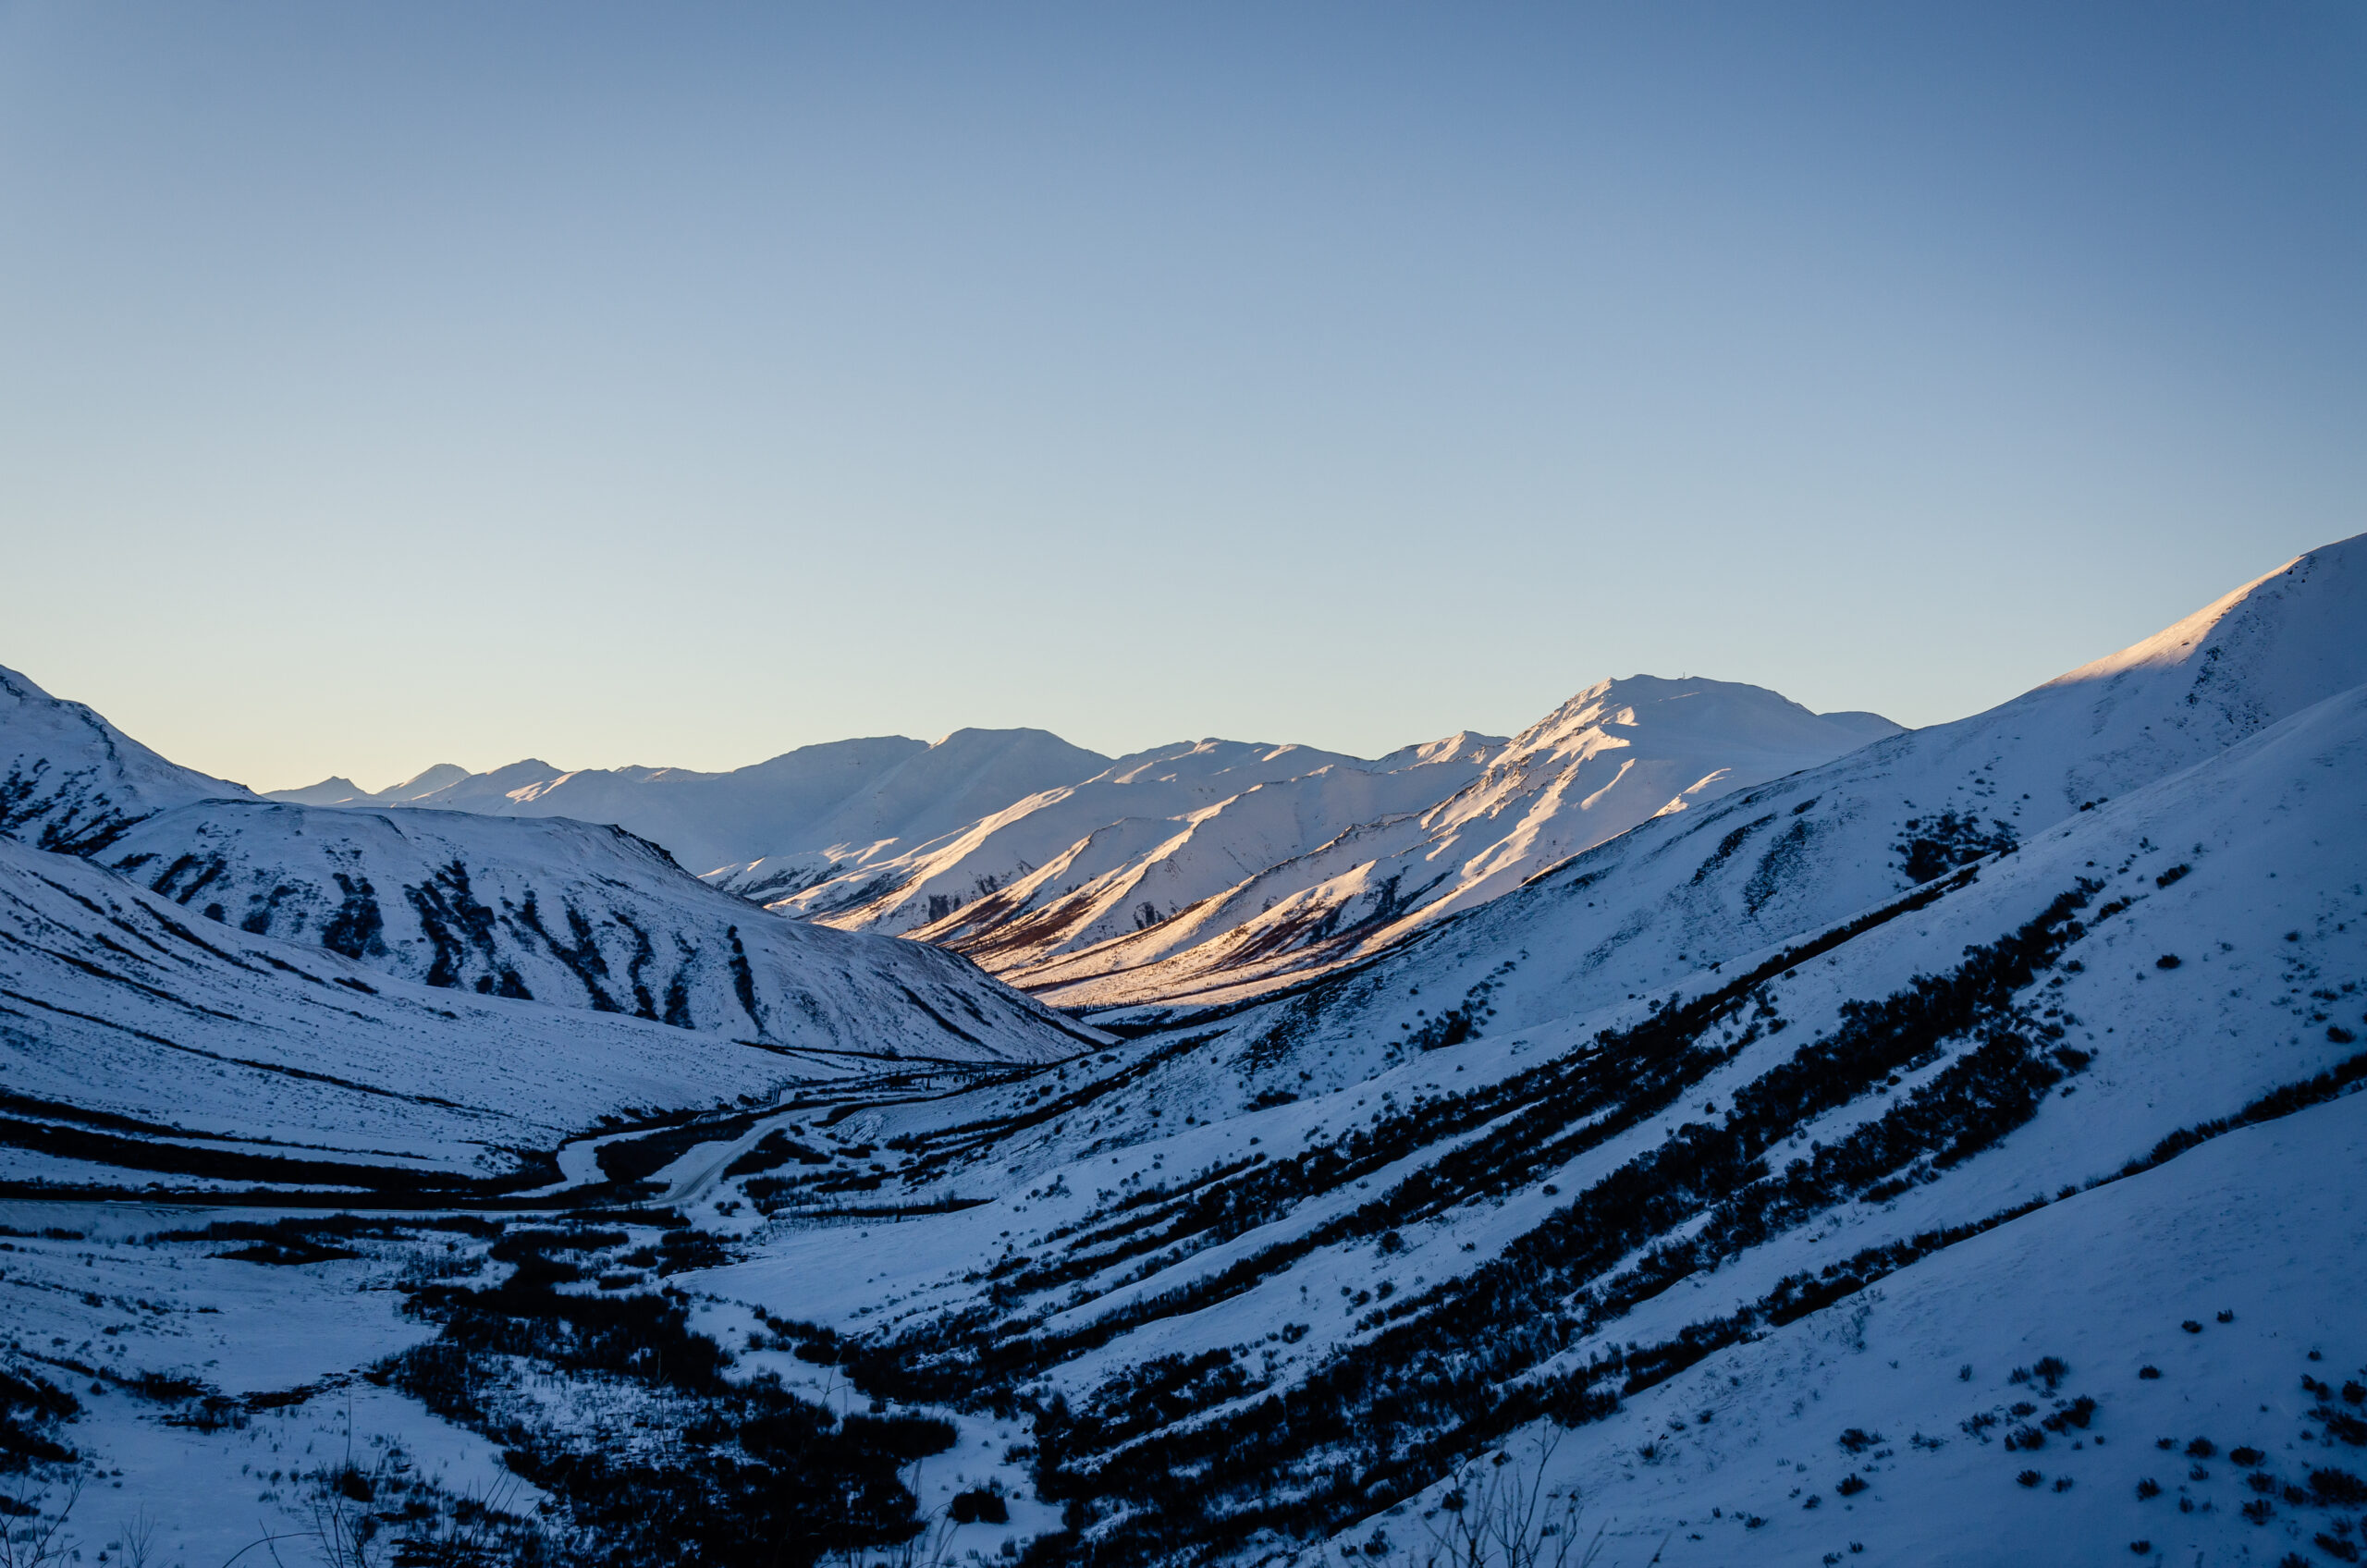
(75, 783)
(582, 916)
(140, 1046)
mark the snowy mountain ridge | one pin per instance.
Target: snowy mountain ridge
(860, 793)
(1615, 755)
(74, 782)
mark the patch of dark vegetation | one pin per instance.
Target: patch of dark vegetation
(31, 1408)
(635, 1159)
(1937, 845)
(75, 814)
(284, 1254)
(746, 1475)
(1730, 843)
(1782, 858)
(264, 908)
(357, 929)
(230, 1164)
(581, 954)
(743, 979)
(771, 1152)
(643, 954)
(457, 924)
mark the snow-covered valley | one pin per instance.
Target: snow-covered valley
(1695, 1129)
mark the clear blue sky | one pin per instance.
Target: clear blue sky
(388, 383)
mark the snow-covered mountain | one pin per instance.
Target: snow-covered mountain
(1099, 833)
(853, 796)
(581, 916)
(75, 783)
(1225, 895)
(555, 910)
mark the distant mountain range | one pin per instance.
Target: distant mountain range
(846, 793)
(1093, 879)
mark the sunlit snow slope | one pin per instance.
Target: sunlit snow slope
(1616, 755)
(1125, 847)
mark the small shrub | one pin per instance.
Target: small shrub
(1851, 1485)
(2338, 1489)
(2191, 1327)
(2246, 1456)
(2147, 1489)
(2201, 1448)
(2258, 1510)
(2149, 1373)
(2079, 1413)
(2029, 1479)
(2167, 961)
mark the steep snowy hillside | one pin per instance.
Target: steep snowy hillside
(852, 795)
(75, 782)
(581, 916)
(1693, 888)
(1616, 755)
(1712, 1202)
(1090, 846)
(142, 1049)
